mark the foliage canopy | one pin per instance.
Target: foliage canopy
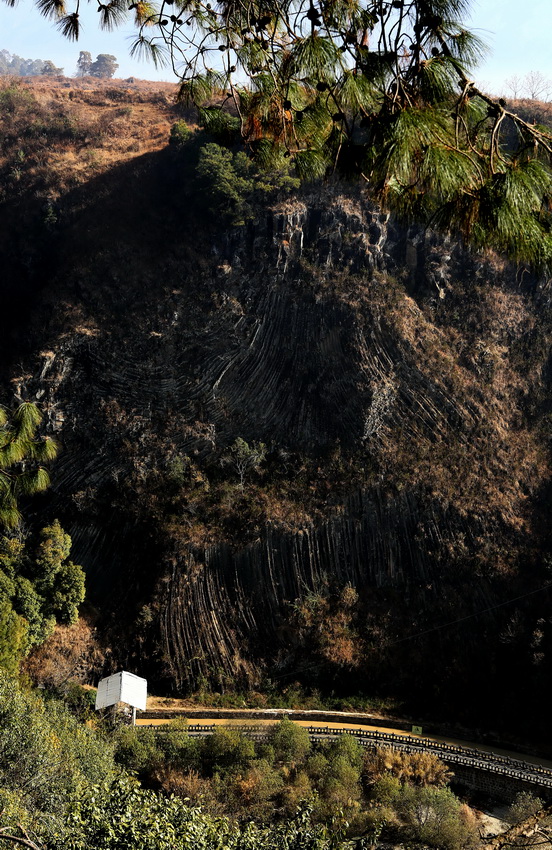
(46, 759)
(39, 586)
(60, 788)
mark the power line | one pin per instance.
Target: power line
(470, 616)
(435, 628)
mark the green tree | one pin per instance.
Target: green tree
(23, 455)
(50, 70)
(179, 749)
(348, 749)
(136, 750)
(13, 636)
(58, 580)
(180, 134)
(386, 790)
(226, 750)
(317, 766)
(104, 66)
(225, 184)
(46, 757)
(16, 66)
(39, 586)
(245, 457)
(84, 63)
(291, 742)
(225, 181)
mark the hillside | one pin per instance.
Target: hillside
(58, 134)
(393, 539)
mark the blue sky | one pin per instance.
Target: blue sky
(519, 35)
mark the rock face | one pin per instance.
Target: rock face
(400, 385)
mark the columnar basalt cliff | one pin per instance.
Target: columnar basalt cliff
(400, 385)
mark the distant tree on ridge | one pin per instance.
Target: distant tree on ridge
(50, 70)
(84, 63)
(104, 66)
(15, 66)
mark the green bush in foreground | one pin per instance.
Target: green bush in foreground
(46, 758)
(121, 815)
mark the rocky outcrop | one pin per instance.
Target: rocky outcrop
(399, 383)
(246, 597)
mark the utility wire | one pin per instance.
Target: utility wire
(437, 628)
(470, 616)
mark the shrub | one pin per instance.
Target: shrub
(415, 768)
(180, 133)
(136, 750)
(524, 805)
(14, 98)
(226, 750)
(296, 792)
(80, 701)
(222, 126)
(290, 741)
(191, 786)
(436, 817)
(225, 181)
(245, 458)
